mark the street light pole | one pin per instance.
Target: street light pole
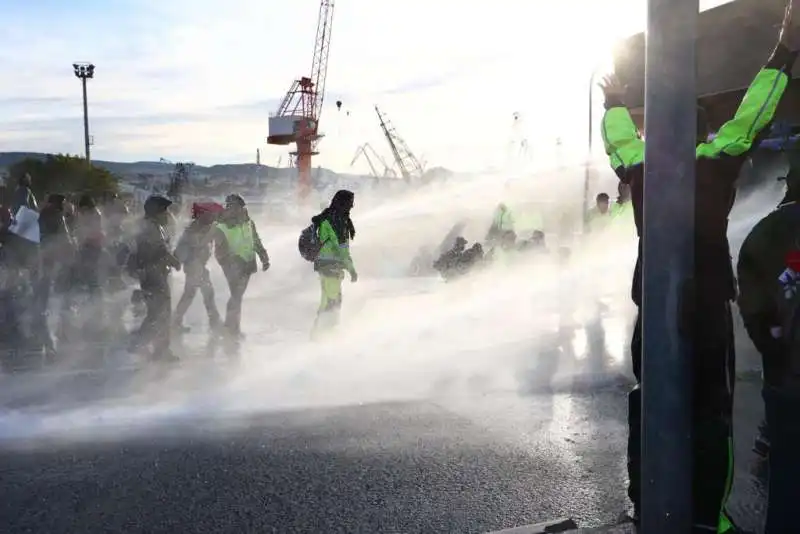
(588, 170)
(668, 264)
(85, 71)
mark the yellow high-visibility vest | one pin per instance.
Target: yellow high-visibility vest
(240, 239)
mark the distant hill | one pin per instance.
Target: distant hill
(157, 168)
(236, 173)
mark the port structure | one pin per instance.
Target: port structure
(407, 163)
(297, 118)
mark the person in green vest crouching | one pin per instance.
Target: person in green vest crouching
(502, 221)
(236, 245)
(335, 229)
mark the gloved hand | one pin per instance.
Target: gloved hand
(265, 266)
(353, 276)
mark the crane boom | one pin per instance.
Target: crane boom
(361, 151)
(319, 65)
(387, 169)
(407, 162)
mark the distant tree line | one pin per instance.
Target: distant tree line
(65, 174)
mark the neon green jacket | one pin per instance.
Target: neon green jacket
(718, 165)
(503, 219)
(335, 252)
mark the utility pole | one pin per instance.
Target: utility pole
(668, 264)
(85, 71)
(587, 176)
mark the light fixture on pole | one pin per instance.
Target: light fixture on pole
(85, 71)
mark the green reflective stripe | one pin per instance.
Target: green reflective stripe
(621, 139)
(620, 211)
(757, 109)
(725, 524)
(240, 239)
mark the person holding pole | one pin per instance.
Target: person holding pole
(705, 304)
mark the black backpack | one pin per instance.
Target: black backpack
(309, 244)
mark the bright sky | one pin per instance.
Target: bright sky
(196, 79)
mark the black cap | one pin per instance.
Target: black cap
(156, 204)
(234, 200)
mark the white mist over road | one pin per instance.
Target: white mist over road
(531, 325)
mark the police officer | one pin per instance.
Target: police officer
(708, 298)
(769, 314)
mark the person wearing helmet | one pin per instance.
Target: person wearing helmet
(335, 230)
(154, 261)
(236, 246)
(768, 301)
(193, 251)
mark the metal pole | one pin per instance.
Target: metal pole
(86, 122)
(668, 261)
(588, 171)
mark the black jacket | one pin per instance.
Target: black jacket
(153, 254)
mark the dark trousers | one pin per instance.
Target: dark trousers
(237, 278)
(41, 307)
(712, 390)
(197, 278)
(88, 266)
(782, 409)
(157, 323)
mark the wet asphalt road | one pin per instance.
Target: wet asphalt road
(454, 463)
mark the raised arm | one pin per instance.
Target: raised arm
(624, 146)
(737, 136)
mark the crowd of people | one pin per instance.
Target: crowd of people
(86, 252)
(83, 249)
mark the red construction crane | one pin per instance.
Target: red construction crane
(297, 118)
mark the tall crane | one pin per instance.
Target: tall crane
(365, 150)
(297, 118)
(407, 162)
(179, 179)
